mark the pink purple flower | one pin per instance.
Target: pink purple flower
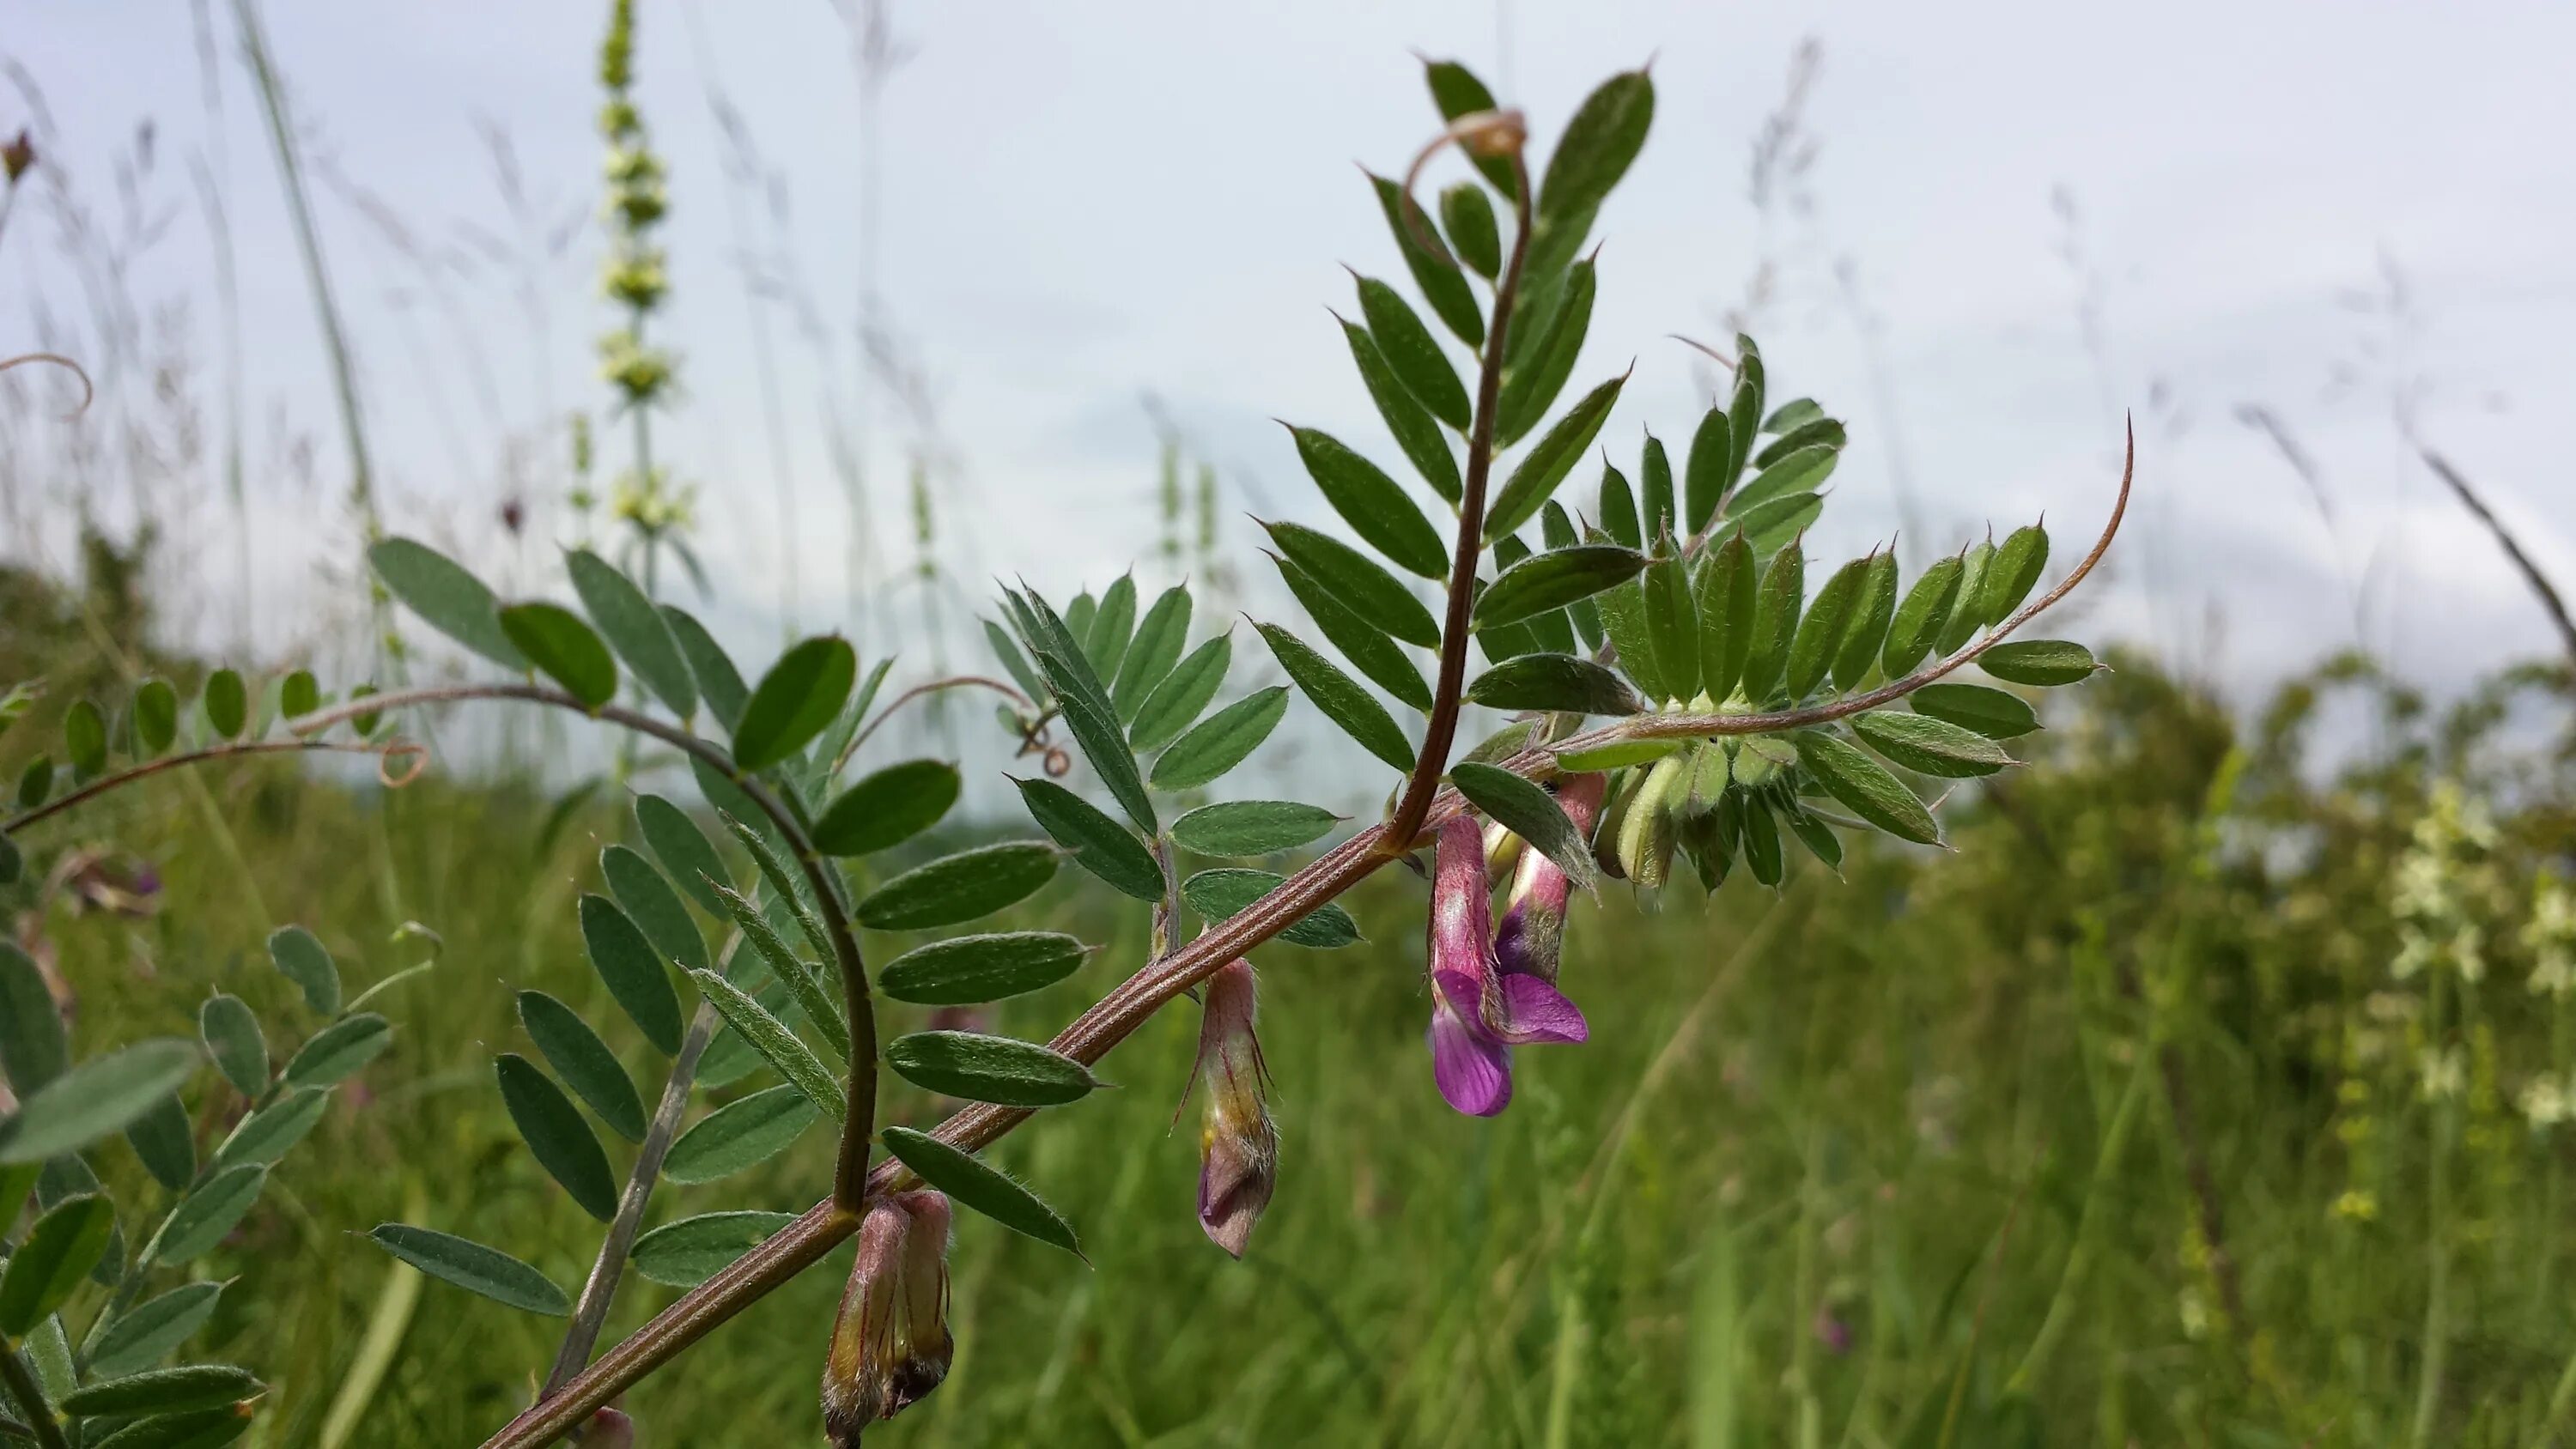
(1238, 1143)
(1481, 1007)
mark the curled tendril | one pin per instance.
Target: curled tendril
(1478, 133)
(89, 390)
(410, 753)
(1693, 343)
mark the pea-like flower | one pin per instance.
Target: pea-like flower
(1531, 939)
(890, 1345)
(1480, 1007)
(1238, 1143)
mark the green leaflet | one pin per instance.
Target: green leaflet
(1151, 655)
(271, 1132)
(1655, 478)
(1219, 894)
(1775, 620)
(1704, 478)
(1169, 707)
(1356, 580)
(778, 1046)
(1724, 603)
(971, 970)
(1370, 651)
(165, 1391)
(960, 887)
(447, 598)
(978, 1068)
(635, 629)
(1820, 634)
(232, 1037)
(1619, 509)
(1801, 472)
(653, 906)
(561, 1141)
(1097, 843)
(141, 1335)
(1530, 812)
(1672, 627)
(1373, 504)
(96, 1098)
(1457, 92)
(796, 700)
(1865, 787)
(887, 808)
(584, 1062)
(1340, 698)
(1964, 618)
(1252, 827)
(987, 1190)
(85, 738)
(564, 648)
(204, 1218)
(2018, 563)
(632, 970)
(33, 1044)
(473, 1267)
(1929, 746)
(2042, 662)
(338, 1051)
(1793, 415)
(1442, 284)
(689, 1251)
(1604, 136)
(1416, 432)
(56, 1256)
(1919, 618)
(300, 956)
(1820, 431)
(1533, 382)
(719, 683)
(1113, 628)
(1413, 353)
(156, 716)
(1549, 460)
(1780, 522)
(1220, 742)
(1086, 707)
(1554, 682)
(227, 703)
(1468, 219)
(1872, 614)
(1990, 712)
(1745, 408)
(742, 1133)
(799, 981)
(1552, 580)
(1623, 619)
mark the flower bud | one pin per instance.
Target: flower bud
(1531, 938)
(890, 1345)
(1238, 1144)
(16, 156)
(608, 1429)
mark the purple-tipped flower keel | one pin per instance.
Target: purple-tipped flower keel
(1238, 1143)
(1482, 1006)
(890, 1345)
(1531, 939)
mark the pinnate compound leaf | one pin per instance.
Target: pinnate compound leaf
(959, 888)
(1373, 504)
(1865, 787)
(1530, 812)
(1340, 697)
(1252, 827)
(56, 1257)
(1358, 581)
(1219, 894)
(338, 1051)
(1990, 712)
(971, 970)
(232, 1036)
(686, 854)
(300, 955)
(473, 1267)
(1548, 461)
(689, 1251)
(2041, 662)
(96, 1098)
(635, 628)
(204, 1218)
(1169, 707)
(564, 648)
(974, 1067)
(632, 970)
(1558, 682)
(227, 703)
(1929, 746)
(1097, 843)
(447, 598)
(584, 1062)
(1416, 432)
(165, 1391)
(561, 1141)
(741, 1134)
(973, 1184)
(1918, 621)
(796, 700)
(778, 1046)
(1552, 580)
(141, 1335)
(888, 807)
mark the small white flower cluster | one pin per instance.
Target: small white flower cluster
(2438, 883)
(2548, 1101)
(2550, 936)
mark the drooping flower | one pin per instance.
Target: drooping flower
(1531, 938)
(608, 1429)
(1480, 1009)
(890, 1345)
(1238, 1143)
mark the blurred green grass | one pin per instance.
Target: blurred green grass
(1819, 1177)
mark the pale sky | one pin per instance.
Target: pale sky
(1083, 205)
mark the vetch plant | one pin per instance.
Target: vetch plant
(1680, 706)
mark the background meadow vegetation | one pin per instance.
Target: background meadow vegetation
(2216, 1086)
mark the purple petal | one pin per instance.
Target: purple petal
(1474, 1074)
(1535, 1012)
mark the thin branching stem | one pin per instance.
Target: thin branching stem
(149, 768)
(1415, 805)
(860, 1117)
(960, 681)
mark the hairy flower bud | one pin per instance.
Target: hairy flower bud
(890, 1345)
(1532, 936)
(1479, 1009)
(1238, 1143)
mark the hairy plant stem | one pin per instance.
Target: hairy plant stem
(859, 1119)
(149, 768)
(1442, 731)
(599, 1290)
(30, 1395)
